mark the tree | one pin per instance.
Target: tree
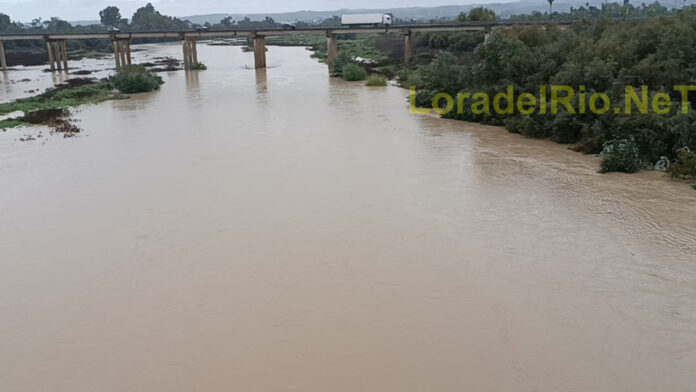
(480, 14)
(57, 24)
(550, 7)
(110, 16)
(147, 19)
(227, 22)
(5, 22)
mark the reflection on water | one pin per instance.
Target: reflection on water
(284, 230)
(192, 80)
(261, 80)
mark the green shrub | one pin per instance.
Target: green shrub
(376, 80)
(198, 67)
(135, 79)
(685, 166)
(621, 155)
(353, 72)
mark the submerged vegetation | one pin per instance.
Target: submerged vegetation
(198, 67)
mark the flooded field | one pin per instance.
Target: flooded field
(279, 230)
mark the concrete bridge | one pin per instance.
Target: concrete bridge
(58, 59)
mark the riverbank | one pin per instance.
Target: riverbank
(46, 107)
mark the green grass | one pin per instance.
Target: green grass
(376, 81)
(129, 79)
(12, 122)
(61, 98)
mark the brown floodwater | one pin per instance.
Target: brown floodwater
(284, 231)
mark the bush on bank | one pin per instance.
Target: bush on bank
(376, 81)
(601, 55)
(353, 72)
(622, 156)
(132, 79)
(685, 166)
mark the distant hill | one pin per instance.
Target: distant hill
(417, 13)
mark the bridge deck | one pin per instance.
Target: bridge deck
(400, 29)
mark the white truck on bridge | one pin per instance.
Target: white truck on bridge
(366, 20)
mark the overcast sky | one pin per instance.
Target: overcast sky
(25, 10)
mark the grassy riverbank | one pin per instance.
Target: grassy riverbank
(74, 93)
(78, 91)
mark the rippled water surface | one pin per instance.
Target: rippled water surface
(245, 230)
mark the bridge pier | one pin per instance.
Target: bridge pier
(122, 53)
(3, 61)
(57, 54)
(408, 48)
(190, 52)
(331, 51)
(259, 51)
(486, 35)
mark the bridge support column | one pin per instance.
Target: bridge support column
(408, 48)
(122, 53)
(126, 43)
(64, 52)
(51, 60)
(259, 51)
(57, 54)
(190, 53)
(117, 55)
(331, 51)
(3, 61)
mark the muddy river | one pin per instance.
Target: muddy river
(279, 230)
